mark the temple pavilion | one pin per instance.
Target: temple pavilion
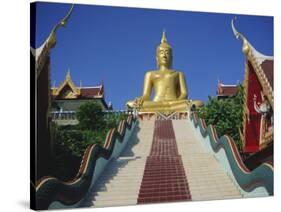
(67, 97)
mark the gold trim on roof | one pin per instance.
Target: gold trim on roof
(246, 116)
(266, 87)
(52, 37)
(50, 43)
(248, 50)
(75, 91)
(238, 35)
(254, 58)
(68, 81)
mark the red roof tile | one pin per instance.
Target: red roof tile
(227, 90)
(91, 92)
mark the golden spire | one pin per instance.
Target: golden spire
(164, 43)
(68, 76)
(164, 39)
(238, 35)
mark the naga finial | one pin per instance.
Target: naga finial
(51, 42)
(238, 35)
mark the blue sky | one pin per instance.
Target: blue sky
(118, 45)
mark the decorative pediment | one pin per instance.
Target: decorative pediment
(67, 89)
(67, 93)
(262, 65)
(259, 97)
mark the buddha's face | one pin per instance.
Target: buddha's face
(164, 57)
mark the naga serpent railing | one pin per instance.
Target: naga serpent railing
(247, 180)
(50, 189)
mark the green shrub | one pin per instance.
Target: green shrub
(90, 116)
(92, 129)
(71, 141)
(226, 115)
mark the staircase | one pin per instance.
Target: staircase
(207, 179)
(164, 178)
(164, 161)
(120, 183)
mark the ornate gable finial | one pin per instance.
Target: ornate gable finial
(41, 52)
(51, 41)
(238, 35)
(68, 82)
(68, 76)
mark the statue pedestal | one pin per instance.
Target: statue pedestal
(161, 116)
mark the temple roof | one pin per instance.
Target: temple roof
(68, 90)
(263, 65)
(260, 57)
(91, 92)
(226, 90)
(263, 62)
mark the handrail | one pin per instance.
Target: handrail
(247, 180)
(50, 189)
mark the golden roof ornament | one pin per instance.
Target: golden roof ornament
(238, 35)
(256, 58)
(52, 37)
(76, 90)
(68, 76)
(41, 52)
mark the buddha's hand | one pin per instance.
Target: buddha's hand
(136, 103)
(139, 101)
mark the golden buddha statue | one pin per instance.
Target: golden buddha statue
(169, 86)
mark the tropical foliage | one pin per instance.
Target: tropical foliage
(90, 116)
(71, 141)
(226, 115)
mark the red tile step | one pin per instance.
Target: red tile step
(164, 178)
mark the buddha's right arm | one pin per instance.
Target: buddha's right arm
(147, 87)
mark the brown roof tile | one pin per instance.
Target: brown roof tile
(226, 90)
(91, 92)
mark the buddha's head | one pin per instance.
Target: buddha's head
(164, 55)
